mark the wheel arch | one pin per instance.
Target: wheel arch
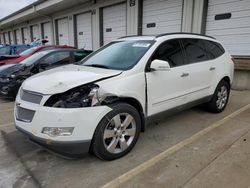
(133, 102)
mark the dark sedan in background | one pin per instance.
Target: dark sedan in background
(12, 76)
(11, 59)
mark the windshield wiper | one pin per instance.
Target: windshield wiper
(98, 66)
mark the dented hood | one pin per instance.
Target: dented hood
(61, 79)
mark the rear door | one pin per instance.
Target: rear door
(199, 68)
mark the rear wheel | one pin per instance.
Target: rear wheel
(117, 132)
(220, 98)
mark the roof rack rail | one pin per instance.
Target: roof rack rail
(165, 34)
(136, 36)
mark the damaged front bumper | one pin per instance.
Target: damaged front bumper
(31, 119)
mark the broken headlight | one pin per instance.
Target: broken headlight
(84, 96)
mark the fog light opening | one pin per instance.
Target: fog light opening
(58, 131)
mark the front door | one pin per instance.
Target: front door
(167, 89)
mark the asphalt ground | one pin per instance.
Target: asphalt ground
(193, 148)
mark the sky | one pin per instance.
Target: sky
(9, 6)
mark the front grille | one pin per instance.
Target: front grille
(24, 115)
(30, 96)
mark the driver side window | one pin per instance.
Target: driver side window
(57, 58)
(171, 52)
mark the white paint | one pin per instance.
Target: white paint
(84, 31)
(165, 14)
(63, 31)
(18, 36)
(35, 32)
(114, 22)
(234, 33)
(11, 37)
(47, 32)
(26, 37)
(6, 36)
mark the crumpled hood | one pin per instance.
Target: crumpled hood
(62, 79)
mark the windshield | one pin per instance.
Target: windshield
(5, 50)
(28, 51)
(120, 55)
(32, 59)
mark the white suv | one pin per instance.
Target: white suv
(103, 103)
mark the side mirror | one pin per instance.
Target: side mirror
(159, 65)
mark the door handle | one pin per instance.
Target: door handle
(212, 68)
(185, 74)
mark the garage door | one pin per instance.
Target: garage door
(6, 36)
(2, 38)
(11, 37)
(229, 22)
(161, 16)
(18, 36)
(35, 32)
(84, 31)
(63, 31)
(47, 32)
(25, 34)
(114, 22)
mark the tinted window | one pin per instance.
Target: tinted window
(195, 50)
(171, 52)
(5, 50)
(57, 58)
(79, 55)
(213, 49)
(28, 51)
(122, 55)
(32, 59)
(20, 49)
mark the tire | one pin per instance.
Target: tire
(220, 98)
(111, 140)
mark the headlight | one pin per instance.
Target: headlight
(84, 96)
(13, 76)
(58, 131)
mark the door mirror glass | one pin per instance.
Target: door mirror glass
(159, 65)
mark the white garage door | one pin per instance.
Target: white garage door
(84, 31)
(6, 36)
(2, 38)
(11, 37)
(18, 36)
(35, 32)
(26, 37)
(47, 32)
(229, 22)
(63, 31)
(161, 16)
(114, 22)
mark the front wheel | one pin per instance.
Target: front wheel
(117, 132)
(220, 98)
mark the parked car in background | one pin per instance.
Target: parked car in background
(12, 76)
(29, 52)
(12, 51)
(103, 104)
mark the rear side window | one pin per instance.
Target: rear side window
(171, 52)
(213, 49)
(57, 58)
(79, 55)
(195, 50)
(20, 49)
